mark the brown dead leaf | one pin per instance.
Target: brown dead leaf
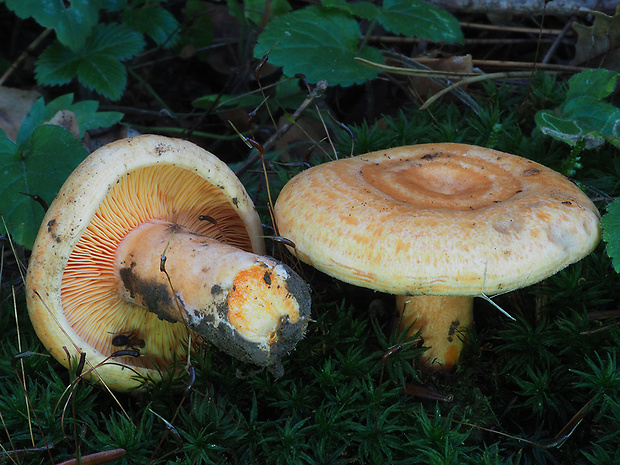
(66, 119)
(14, 106)
(421, 87)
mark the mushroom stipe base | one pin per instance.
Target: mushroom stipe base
(443, 322)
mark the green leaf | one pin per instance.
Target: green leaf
(157, 23)
(415, 18)
(105, 75)
(38, 166)
(57, 65)
(257, 11)
(596, 83)
(319, 43)
(116, 41)
(89, 118)
(611, 232)
(584, 118)
(72, 25)
(364, 10)
(85, 112)
(97, 65)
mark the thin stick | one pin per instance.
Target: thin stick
(25, 55)
(255, 154)
(471, 80)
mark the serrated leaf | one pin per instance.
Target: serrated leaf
(582, 118)
(39, 166)
(57, 65)
(611, 232)
(97, 65)
(72, 24)
(89, 118)
(319, 43)
(566, 129)
(103, 74)
(416, 18)
(159, 24)
(85, 112)
(597, 83)
(115, 40)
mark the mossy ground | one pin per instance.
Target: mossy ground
(346, 395)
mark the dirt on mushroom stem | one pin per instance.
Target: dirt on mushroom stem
(254, 307)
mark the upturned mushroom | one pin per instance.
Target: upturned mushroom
(437, 225)
(152, 239)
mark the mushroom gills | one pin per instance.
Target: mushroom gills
(253, 307)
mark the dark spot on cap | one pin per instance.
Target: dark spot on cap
(531, 171)
(429, 156)
(267, 278)
(235, 201)
(216, 289)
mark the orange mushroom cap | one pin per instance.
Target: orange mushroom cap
(440, 219)
(437, 220)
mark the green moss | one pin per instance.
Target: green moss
(342, 399)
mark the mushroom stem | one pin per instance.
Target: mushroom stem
(253, 306)
(442, 322)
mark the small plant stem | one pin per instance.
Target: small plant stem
(471, 80)
(255, 154)
(556, 42)
(35, 43)
(367, 36)
(151, 91)
(173, 130)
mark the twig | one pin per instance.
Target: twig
(557, 42)
(527, 65)
(24, 55)
(506, 28)
(318, 90)
(533, 7)
(471, 80)
(17, 453)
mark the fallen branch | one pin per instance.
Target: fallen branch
(527, 7)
